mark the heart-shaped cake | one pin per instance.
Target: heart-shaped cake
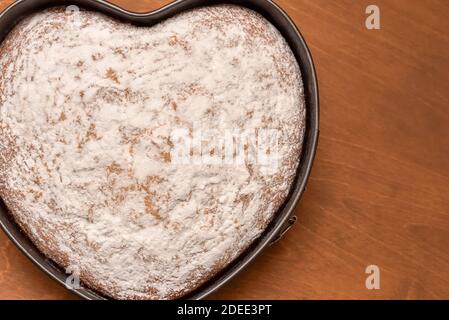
(147, 159)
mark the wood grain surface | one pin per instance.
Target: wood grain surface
(378, 193)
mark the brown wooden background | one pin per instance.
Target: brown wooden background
(379, 191)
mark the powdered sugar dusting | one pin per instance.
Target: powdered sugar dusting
(87, 109)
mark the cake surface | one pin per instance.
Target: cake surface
(147, 158)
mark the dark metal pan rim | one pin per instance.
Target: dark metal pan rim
(273, 13)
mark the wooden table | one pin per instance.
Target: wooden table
(379, 191)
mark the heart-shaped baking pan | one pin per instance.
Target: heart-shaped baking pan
(285, 217)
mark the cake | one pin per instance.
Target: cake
(147, 158)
